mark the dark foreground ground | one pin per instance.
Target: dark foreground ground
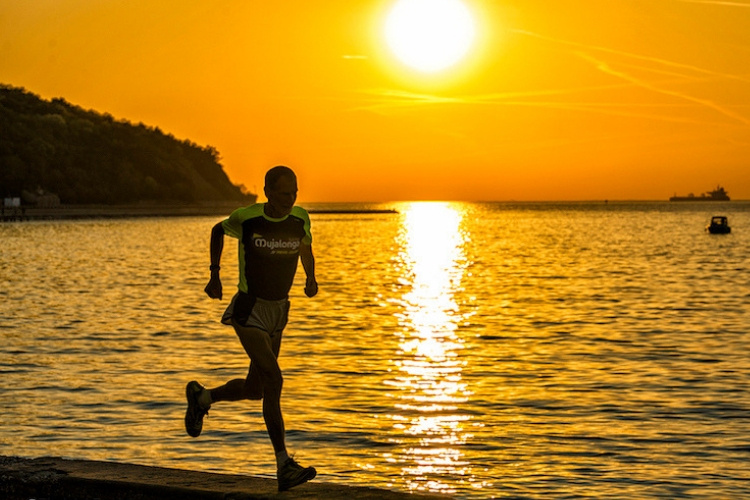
(55, 478)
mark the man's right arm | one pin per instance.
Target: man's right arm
(214, 288)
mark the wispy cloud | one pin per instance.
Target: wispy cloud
(584, 51)
(400, 98)
(606, 68)
(385, 100)
(717, 2)
(630, 55)
(381, 99)
(625, 66)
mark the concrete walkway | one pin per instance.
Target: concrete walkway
(56, 478)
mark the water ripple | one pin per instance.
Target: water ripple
(480, 350)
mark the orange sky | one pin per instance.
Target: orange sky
(558, 100)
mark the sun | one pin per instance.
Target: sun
(430, 35)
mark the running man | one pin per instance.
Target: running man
(272, 236)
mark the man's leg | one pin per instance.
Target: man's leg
(262, 352)
(200, 399)
(240, 389)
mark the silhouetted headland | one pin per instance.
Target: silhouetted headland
(22, 478)
(53, 153)
(59, 161)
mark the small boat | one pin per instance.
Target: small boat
(719, 225)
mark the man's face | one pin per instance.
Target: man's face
(282, 195)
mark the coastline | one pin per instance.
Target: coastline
(69, 212)
(54, 477)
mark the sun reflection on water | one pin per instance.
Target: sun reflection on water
(429, 425)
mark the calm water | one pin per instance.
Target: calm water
(480, 350)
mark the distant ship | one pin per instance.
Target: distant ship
(718, 194)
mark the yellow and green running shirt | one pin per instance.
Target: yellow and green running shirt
(268, 249)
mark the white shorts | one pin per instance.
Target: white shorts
(268, 315)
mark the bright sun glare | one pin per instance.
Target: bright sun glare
(429, 35)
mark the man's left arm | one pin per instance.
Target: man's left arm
(308, 263)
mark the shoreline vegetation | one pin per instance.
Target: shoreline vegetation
(54, 153)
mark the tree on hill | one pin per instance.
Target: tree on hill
(88, 157)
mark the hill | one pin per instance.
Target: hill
(85, 157)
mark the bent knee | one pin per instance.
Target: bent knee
(252, 393)
(272, 381)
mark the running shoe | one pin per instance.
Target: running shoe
(195, 412)
(292, 474)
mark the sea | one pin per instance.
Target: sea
(478, 350)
